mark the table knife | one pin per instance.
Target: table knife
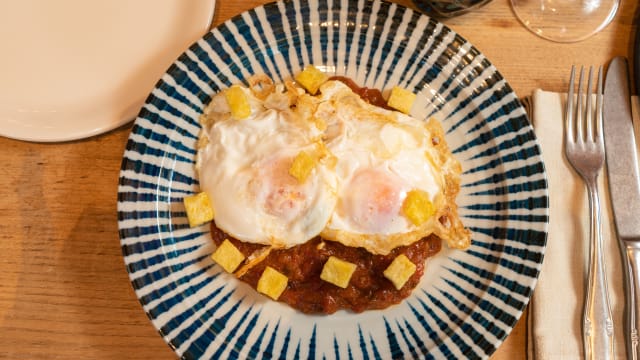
(624, 188)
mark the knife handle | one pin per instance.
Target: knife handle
(632, 294)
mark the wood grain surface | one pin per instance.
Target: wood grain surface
(64, 290)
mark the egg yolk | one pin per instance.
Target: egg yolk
(279, 193)
(373, 200)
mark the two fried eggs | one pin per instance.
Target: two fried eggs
(298, 165)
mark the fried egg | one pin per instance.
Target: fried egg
(381, 157)
(244, 167)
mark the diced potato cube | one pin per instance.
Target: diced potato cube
(302, 165)
(337, 272)
(401, 99)
(228, 256)
(272, 283)
(199, 209)
(311, 78)
(400, 270)
(238, 102)
(417, 207)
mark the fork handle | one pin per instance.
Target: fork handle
(597, 328)
(631, 255)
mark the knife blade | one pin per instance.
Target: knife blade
(624, 188)
(636, 60)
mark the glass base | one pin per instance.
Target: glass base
(565, 20)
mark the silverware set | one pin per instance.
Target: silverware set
(589, 131)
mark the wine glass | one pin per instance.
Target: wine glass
(565, 20)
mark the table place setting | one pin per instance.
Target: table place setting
(320, 179)
(556, 308)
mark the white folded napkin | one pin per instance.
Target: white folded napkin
(555, 311)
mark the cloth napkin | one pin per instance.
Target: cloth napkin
(555, 311)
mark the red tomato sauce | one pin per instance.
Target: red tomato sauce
(368, 289)
(372, 96)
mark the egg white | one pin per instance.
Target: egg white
(244, 169)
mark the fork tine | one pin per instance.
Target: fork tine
(599, 104)
(588, 116)
(579, 136)
(569, 123)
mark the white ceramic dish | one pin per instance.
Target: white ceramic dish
(71, 69)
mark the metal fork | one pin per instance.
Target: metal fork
(584, 148)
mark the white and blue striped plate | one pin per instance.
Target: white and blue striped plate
(467, 302)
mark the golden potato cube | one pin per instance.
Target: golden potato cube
(338, 272)
(399, 271)
(401, 99)
(311, 78)
(238, 102)
(417, 207)
(199, 209)
(302, 165)
(228, 256)
(272, 283)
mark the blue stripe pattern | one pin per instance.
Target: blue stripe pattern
(467, 302)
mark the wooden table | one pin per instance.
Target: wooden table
(64, 290)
